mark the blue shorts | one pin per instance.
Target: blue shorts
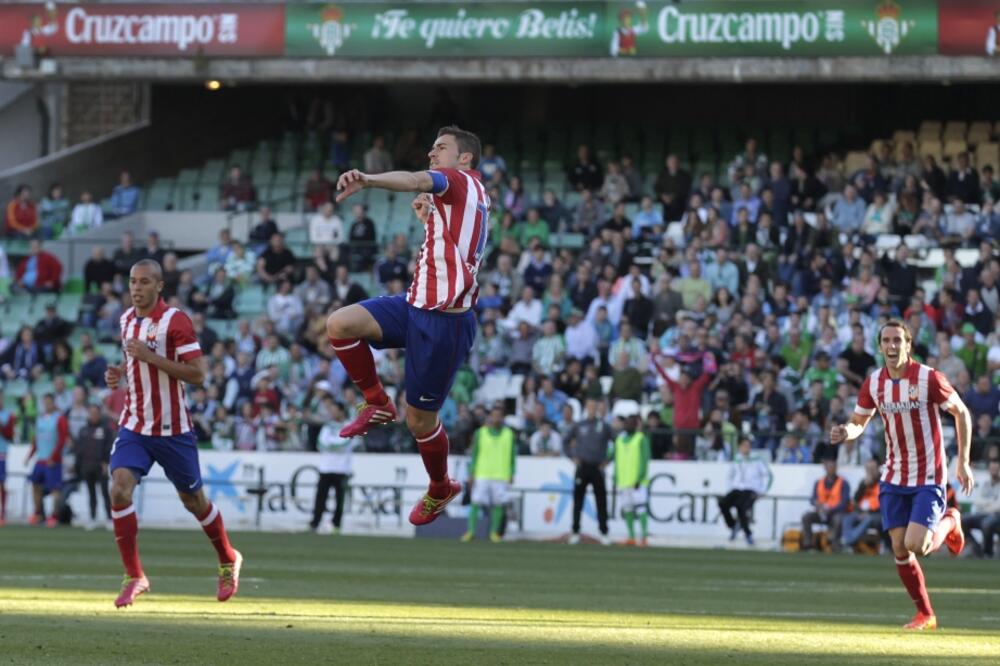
(436, 344)
(177, 455)
(47, 476)
(902, 505)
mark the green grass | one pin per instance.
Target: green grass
(353, 600)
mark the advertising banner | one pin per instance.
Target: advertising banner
(660, 28)
(275, 491)
(185, 30)
(968, 27)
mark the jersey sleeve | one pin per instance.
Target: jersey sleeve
(866, 404)
(449, 185)
(182, 336)
(940, 391)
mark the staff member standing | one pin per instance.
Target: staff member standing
(93, 455)
(588, 442)
(334, 466)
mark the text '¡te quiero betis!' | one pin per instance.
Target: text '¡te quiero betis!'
(530, 24)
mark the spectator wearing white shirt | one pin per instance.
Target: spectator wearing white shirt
(285, 309)
(546, 441)
(527, 309)
(606, 300)
(985, 514)
(959, 224)
(749, 478)
(648, 218)
(581, 338)
(86, 215)
(334, 466)
(326, 227)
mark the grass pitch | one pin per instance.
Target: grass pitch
(353, 600)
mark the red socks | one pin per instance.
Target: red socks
(211, 522)
(944, 528)
(433, 449)
(359, 363)
(126, 529)
(913, 580)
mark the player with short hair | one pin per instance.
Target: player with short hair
(912, 493)
(51, 435)
(161, 355)
(434, 321)
(631, 456)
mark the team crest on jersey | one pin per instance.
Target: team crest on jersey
(914, 392)
(151, 332)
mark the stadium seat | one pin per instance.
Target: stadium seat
(987, 154)
(930, 128)
(955, 130)
(901, 136)
(953, 147)
(932, 148)
(855, 160)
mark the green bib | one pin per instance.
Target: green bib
(495, 455)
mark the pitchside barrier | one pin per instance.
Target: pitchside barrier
(274, 492)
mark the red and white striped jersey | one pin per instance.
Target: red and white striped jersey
(454, 240)
(155, 403)
(910, 410)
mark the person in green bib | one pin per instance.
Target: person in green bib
(491, 471)
(631, 456)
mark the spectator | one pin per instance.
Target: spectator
(638, 310)
(552, 211)
(806, 190)
(92, 370)
(240, 264)
(377, 159)
(648, 221)
(346, 290)
(864, 514)
(326, 227)
(237, 193)
(491, 472)
(687, 397)
(334, 467)
(492, 167)
(171, 276)
(963, 181)
(694, 286)
(362, 239)
(515, 200)
(748, 201)
(97, 270)
(847, 213)
(585, 174)
(549, 351)
(216, 256)
(25, 357)
(277, 263)
(546, 442)
(749, 157)
(285, 309)
(539, 270)
(749, 478)
(318, 191)
(521, 340)
(51, 328)
(314, 292)
(614, 189)
(985, 514)
(533, 230)
(879, 217)
(587, 445)
(672, 187)
(53, 211)
(126, 255)
(527, 309)
(153, 249)
(39, 271)
(392, 267)
(985, 399)
(901, 277)
(22, 215)
(125, 196)
(590, 213)
(830, 498)
(261, 234)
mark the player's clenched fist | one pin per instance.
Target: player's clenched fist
(422, 207)
(838, 434)
(350, 181)
(113, 375)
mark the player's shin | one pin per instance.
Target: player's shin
(126, 525)
(211, 523)
(630, 523)
(496, 519)
(913, 580)
(433, 448)
(356, 357)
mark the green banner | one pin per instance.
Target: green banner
(594, 29)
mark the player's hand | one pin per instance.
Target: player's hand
(350, 182)
(422, 207)
(838, 434)
(138, 350)
(965, 478)
(113, 375)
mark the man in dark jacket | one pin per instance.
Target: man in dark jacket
(93, 453)
(587, 444)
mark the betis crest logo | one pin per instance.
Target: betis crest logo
(331, 31)
(888, 29)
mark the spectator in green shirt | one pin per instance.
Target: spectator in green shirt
(797, 349)
(972, 353)
(533, 227)
(693, 286)
(822, 372)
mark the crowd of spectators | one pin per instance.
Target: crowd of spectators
(745, 306)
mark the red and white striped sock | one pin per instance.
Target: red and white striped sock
(126, 525)
(356, 356)
(913, 580)
(212, 523)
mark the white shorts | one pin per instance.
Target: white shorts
(632, 499)
(489, 492)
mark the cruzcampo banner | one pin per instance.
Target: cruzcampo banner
(773, 28)
(589, 29)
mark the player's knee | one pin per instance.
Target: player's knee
(916, 546)
(420, 424)
(335, 326)
(120, 494)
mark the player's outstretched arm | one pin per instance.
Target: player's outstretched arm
(850, 430)
(963, 432)
(395, 181)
